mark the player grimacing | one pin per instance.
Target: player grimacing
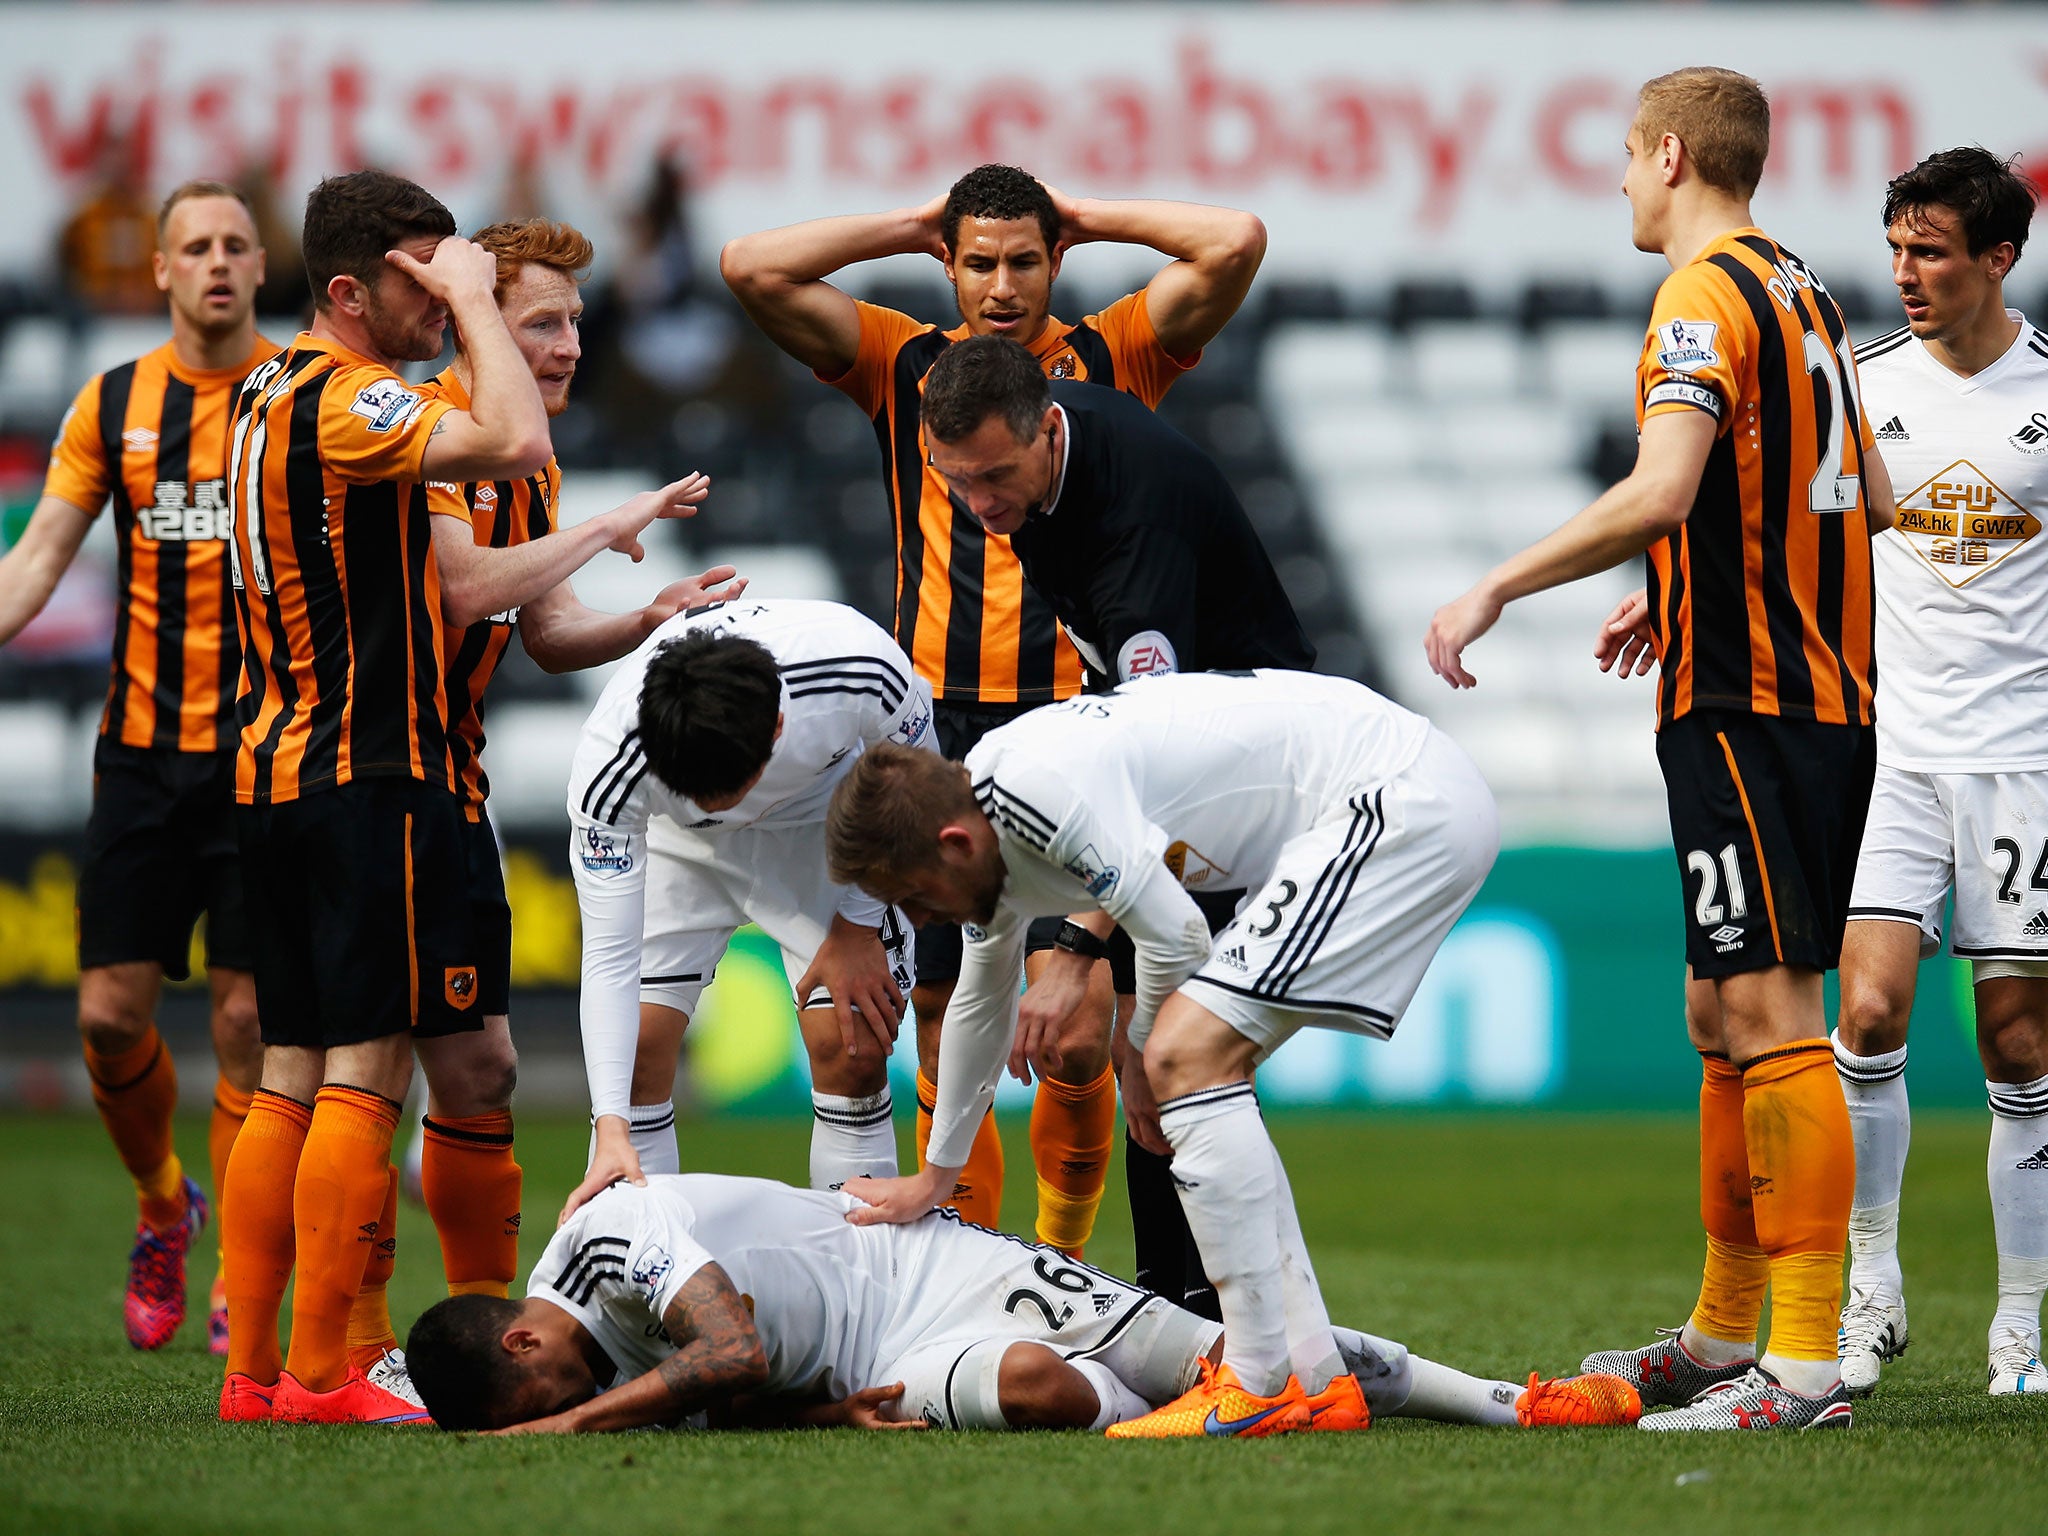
(1755, 493)
(151, 435)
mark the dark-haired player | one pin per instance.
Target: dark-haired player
(696, 805)
(151, 437)
(348, 818)
(987, 645)
(1960, 806)
(1755, 493)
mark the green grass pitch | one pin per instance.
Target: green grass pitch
(1496, 1243)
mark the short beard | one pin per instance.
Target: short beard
(406, 344)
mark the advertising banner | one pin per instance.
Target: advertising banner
(1376, 141)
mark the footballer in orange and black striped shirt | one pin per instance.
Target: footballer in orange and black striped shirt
(1755, 493)
(150, 438)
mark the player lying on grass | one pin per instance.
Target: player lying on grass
(706, 1299)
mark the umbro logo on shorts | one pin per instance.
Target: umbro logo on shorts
(1725, 938)
(2036, 927)
(1893, 431)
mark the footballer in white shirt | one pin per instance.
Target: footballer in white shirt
(697, 804)
(711, 1301)
(1362, 833)
(1958, 397)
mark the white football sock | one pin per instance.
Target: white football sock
(2017, 1171)
(851, 1139)
(1809, 1377)
(1398, 1385)
(1311, 1345)
(1708, 1350)
(1880, 1122)
(1223, 1167)
(1116, 1401)
(652, 1130)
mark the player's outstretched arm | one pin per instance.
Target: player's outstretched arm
(30, 571)
(1630, 516)
(718, 1357)
(561, 635)
(779, 277)
(1216, 253)
(477, 582)
(504, 433)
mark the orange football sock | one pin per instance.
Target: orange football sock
(344, 1179)
(472, 1187)
(1071, 1125)
(1802, 1163)
(136, 1091)
(230, 1109)
(978, 1191)
(257, 1239)
(369, 1319)
(1732, 1287)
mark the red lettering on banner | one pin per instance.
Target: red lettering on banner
(1344, 149)
(697, 125)
(836, 129)
(346, 98)
(1115, 142)
(1445, 147)
(1005, 122)
(1840, 110)
(901, 121)
(1558, 118)
(434, 118)
(71, 151)
(1239, 109)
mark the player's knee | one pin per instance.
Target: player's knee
(1873, 1014)
(111, 1018)
(480, 1081)
(2012, 1038)
(1039, 1390)
(833, 1071)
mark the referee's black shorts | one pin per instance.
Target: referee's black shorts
(359, 903)
(160, 850)
(1766, 817)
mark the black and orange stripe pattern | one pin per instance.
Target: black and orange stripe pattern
(149, 438)
(1763, 600)
(971, 625)
(340, 599)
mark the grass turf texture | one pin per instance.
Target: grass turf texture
(1495, 1243)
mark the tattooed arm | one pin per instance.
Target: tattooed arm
(718, 1357)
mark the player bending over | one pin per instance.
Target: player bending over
(707, 1298)
(697, 804)
(1362, 833)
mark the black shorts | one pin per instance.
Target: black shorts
(160, 850)
(1766, 817)
(960, 728)
(490, 915)
(359, 909)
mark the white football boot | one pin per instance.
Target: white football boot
(1873, 1334)
(2016, 1366)
(391, 1374)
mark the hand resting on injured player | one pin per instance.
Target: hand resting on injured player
(612, 1159)
(853, 967)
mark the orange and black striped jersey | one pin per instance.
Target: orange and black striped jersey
(1762, 601)
(500, 513)
(151, 437)
(964, 615)
(340, 599)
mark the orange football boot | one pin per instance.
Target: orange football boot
(1578, 1401)
(1219, 1404)
(1340, 1405)
(355, 1401)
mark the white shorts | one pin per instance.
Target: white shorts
(699, 893)
(1983, 834)
(968, 1287)
(1342, 932)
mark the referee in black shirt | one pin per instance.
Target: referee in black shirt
(1127, 529)
(1144, 553)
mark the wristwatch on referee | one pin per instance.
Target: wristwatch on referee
(1077, 940)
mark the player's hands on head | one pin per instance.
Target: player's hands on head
(1072, 233)
(459, 269)
(1626, 645)
(853, 967)
(612, 1159)
(1050, 1000)
(932, 216)
(909, 1197)
(1455, 626)
(680, 498)
(695, 592)
(1141, 1106)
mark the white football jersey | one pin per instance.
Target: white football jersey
(845, 686)
(820, 1288)
(1962, 581)
(1128, 801)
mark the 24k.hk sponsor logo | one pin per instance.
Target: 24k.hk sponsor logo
(1962, 522)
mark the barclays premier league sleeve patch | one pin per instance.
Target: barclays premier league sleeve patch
(1097, 876)
(386, 404)
(603, 852)
(1686, 346)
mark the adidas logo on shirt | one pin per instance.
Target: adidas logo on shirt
(2038, 1160)
(1893, 431)
(2036, 927)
